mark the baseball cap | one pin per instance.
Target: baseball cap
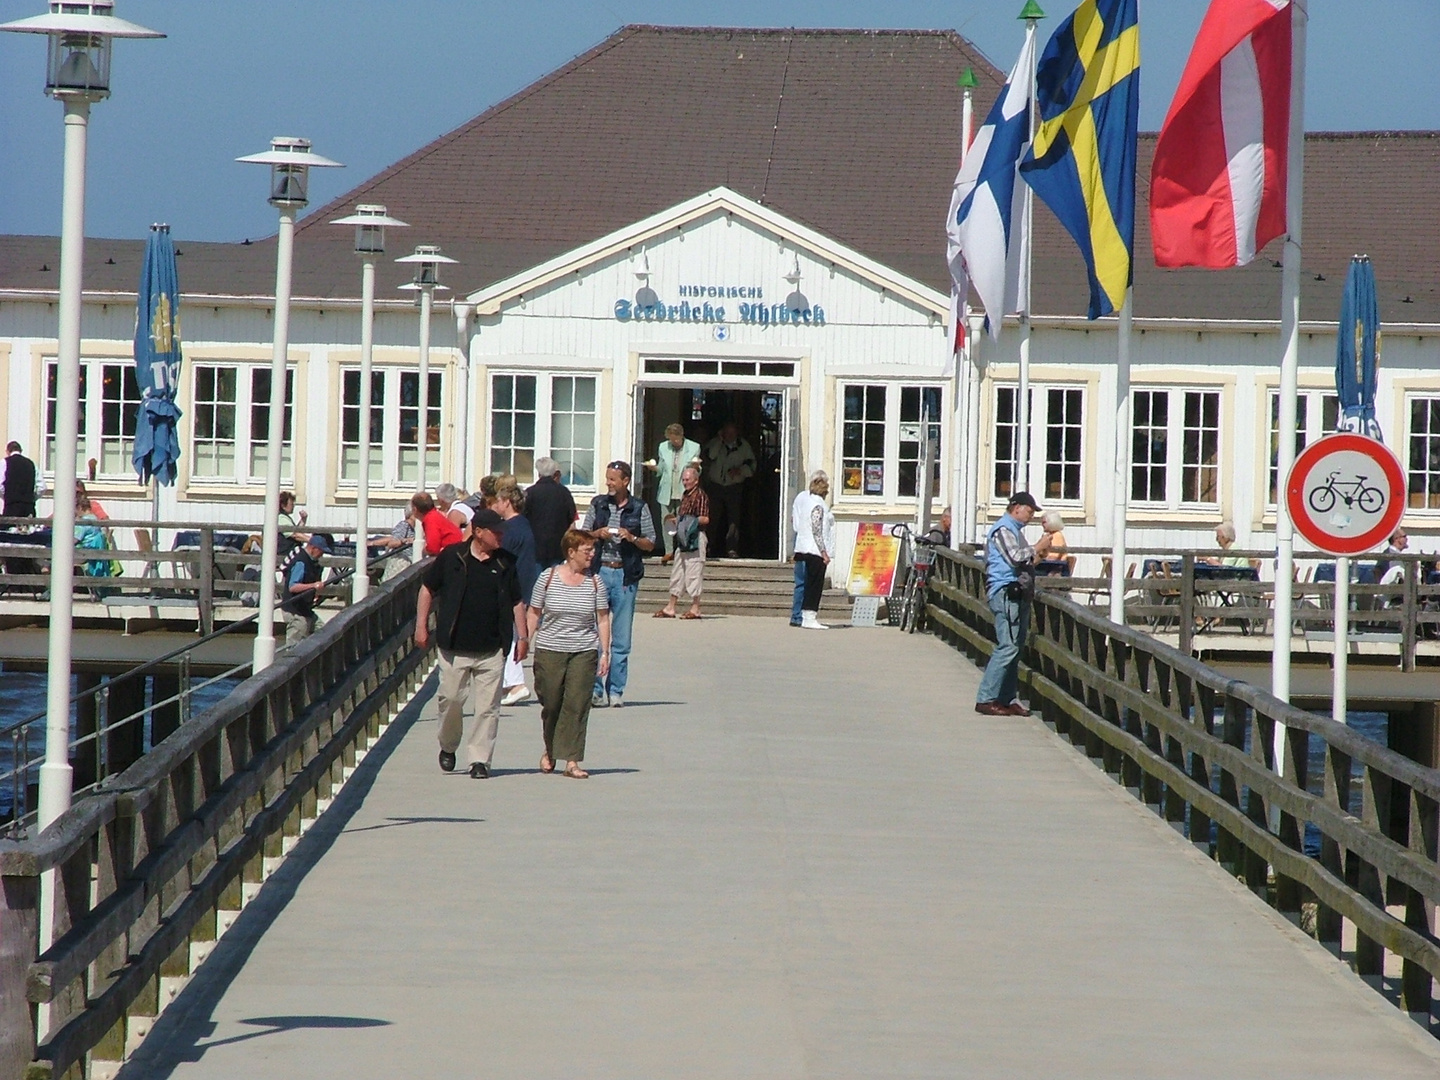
(485, 518)
(1023, 498)
(320, 542)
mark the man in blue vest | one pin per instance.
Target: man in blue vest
(624, 533)
(1010, 583)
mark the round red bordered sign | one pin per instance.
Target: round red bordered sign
(1346, 493)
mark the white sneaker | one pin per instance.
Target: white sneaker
(617, 701)
(810, 621)
(516, 694)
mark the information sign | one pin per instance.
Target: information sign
(1346, 493)
(873, 561)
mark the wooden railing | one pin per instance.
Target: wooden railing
(146, 866)
(1349, 854)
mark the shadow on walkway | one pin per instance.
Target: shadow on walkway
(176, 1036)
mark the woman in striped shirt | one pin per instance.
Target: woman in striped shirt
(569, 622)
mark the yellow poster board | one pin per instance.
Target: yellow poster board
(873, 561)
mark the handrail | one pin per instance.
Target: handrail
(1200, 748)
(149, 862)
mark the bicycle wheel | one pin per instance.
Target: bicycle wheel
(1322, 500)
(1371, 500)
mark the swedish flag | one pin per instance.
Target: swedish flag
(1082, 162)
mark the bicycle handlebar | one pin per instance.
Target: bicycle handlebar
(933, 538)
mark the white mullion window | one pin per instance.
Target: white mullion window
(214, 431)
(351, 428)
(513, 435)
(1422, 440)
(410, 427)
(863, 447)
(394, 427)
(1317, 413)
(1055, 440)
(1175, 448)
(229, 423)
(881, 439)
(119, 408)
(912, 398)
(260, 426)
(537, 414)
(52, 378)
(572, 428)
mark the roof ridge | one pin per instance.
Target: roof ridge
(816, 31)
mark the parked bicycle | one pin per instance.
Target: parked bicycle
(919, 557)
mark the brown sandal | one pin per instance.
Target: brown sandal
(663, 614)
(547, 763)
(575, 772)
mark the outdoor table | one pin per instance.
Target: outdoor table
(1225, 598)
(1052, 568)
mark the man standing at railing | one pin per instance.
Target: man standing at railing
(1010, 585)
(18, 483)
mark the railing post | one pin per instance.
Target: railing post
(206, 598)
(1187, 602)
(1410, 613)
(19, 940)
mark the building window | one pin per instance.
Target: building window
(863, 452)
(572, 428)
(912, 399)
(229, 423)
(109, 408)
(882, 428)
(1424, 442)
(1176, 448)
(52, 378)
(1316, 413)
(394, 428)
(1055, 439)
(563, 427)
(213, 422)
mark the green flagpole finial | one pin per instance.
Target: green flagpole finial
(968, 81)
(1032, 10)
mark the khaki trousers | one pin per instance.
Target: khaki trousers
(460, 675)
(687, 572)
(564, 682)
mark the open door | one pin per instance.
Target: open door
(792, 470)
(637, 444)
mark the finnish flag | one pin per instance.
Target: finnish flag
(985, 230)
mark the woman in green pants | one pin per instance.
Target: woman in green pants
(570, 633)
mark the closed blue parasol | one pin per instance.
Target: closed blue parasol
(157, 360)
(1357, 351)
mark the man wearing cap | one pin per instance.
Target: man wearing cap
(1010, 583)
(302, 589)
(480, 614)
(624, 532)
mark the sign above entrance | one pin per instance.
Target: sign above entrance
(1346, 493)
(649, 307)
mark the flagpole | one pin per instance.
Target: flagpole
(962, 507)
(1021, 481)
(1120, 496)
(1289, 371)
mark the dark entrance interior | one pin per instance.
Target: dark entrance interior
(759, 417)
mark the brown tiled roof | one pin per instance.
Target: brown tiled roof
(852, 132)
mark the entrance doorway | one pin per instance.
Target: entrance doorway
(763, 418)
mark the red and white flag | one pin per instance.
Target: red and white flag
(1217, 184)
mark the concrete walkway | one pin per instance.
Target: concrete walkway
(800, 855)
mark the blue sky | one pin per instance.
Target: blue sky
(371, 80)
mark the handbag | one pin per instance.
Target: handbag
(687, 533)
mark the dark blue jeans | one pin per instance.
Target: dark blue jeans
(1001, 681)
(796, 604)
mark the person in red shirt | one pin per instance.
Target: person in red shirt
(440, 531)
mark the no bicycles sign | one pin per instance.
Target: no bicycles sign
(1346, 493)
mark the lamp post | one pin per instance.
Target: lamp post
(427, 261)
(369, 220)
(290, 162)
(77, 75)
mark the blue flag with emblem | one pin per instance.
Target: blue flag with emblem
(1082, 162)
(157, 360)
(1357, 352)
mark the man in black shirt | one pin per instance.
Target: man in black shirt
(550, 509)
(480, 612)
(19, 483)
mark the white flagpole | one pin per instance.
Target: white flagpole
(963, 500)
(1021, 480)
(1289, 371)
(1120, 497)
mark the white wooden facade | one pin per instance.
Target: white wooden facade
(586, 336)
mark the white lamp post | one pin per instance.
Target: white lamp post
(290, 162)
(427, 261)
(78, 73)
(369, 221)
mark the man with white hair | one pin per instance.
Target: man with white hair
(550, 509)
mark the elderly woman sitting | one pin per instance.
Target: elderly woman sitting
(1058, 561)
(1225, 537)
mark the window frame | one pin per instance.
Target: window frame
(1175, 464)
(890, 459)
(1410, 398)
(544, 421)
(1311, 425)
(1038, 438)
(389, 469)
(246, 439)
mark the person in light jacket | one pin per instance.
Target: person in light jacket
(671, 459)
(814, 526)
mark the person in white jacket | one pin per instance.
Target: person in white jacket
(814, 527)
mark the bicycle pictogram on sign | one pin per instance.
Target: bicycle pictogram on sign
(1346, 493)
